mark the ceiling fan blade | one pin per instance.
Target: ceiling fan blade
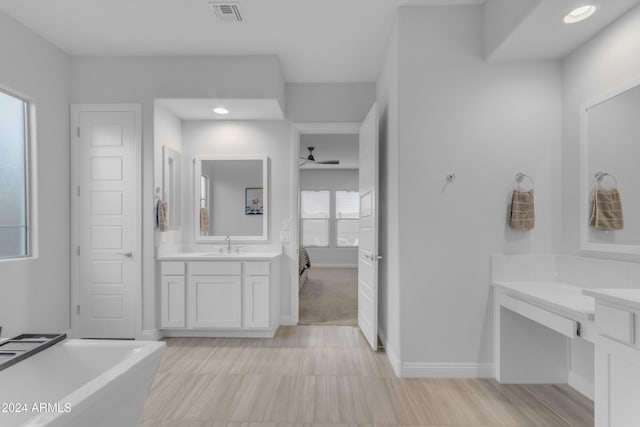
(329, 162)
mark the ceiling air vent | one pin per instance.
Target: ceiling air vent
(228, 13)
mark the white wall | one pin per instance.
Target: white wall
(329, 102)
(502, 17)
(34, 292)
(167, 131)
(336, 179)
(606, 62)
(484, 122)
(144, 79)
(388, 216)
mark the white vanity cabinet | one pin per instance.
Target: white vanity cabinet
(172, 295)
(237, 297)
(617, 357)
(257, 298)
(215, 294)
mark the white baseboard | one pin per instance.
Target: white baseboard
(581, 384)
(288, 320)
(150, 335)
(217, 334)
(334, 265)
(447, 370)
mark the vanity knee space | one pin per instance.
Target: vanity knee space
(225, 298)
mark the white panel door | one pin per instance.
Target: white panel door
(108, 233)
(368, 230)
(215, 302)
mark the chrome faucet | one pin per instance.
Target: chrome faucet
(227, 241)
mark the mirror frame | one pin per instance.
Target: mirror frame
(175, 194)
(586, 180)
(196, 196)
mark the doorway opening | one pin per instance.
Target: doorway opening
(328, 229)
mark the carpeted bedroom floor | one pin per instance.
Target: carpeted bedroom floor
(330, 297)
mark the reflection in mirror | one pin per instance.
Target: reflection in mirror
(231, 198)
(172, 185)
(610, 152)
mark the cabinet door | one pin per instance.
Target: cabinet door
(257, 302)
(172, 302)
(215, 302)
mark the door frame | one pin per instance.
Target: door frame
(75, 111)
(329, 128)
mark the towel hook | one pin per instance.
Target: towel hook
(599, 176)
(520, 176)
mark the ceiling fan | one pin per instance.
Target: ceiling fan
(312, 159)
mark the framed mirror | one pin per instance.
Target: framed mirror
(172, 186)
(609, 153)
(231, 198)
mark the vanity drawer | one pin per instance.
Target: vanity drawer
(215, 268)
(172, 268)
(615, 323)
(256, 268)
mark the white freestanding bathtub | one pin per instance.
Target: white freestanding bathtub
(80, 383)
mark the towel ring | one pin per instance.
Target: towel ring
(599, 176)
(521, 177)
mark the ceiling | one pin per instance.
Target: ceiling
(316, 40)
(239, 109)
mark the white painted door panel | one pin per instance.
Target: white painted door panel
(173, 300)
(108, 234)
(368, 229)
(215, 302)
(257, 300)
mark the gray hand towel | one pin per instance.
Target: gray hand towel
(523, 216)
(606, 213)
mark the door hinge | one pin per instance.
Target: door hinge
(78, 250)
(78, 309)
(578, 331)
(78, 190)
(78, 131)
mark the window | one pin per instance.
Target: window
(14, 197)
(329, 218)
(347, 214)
(315, 212)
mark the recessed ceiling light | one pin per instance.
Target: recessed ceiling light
(580, 13)
(220, 110)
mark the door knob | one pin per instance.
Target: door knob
(128, 254)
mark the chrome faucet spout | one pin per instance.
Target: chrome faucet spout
(227, 241)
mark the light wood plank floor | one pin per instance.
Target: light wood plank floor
(328, 376)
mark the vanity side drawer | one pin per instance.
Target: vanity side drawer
(215, 268)
(256, 268)
(172, 268)
(615, 323)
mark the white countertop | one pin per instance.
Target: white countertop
(558, 297)
(216, 256)
(625, 297)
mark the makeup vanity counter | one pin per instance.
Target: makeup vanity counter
(213, 294)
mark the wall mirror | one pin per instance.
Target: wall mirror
(172, 185)
(610, 149)
(231, 198)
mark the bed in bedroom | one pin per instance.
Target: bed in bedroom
(304, 264)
